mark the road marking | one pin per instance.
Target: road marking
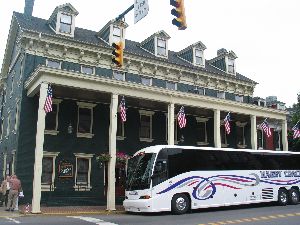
(92, 220)
(13, 220)
(230, 222)
(254, 219)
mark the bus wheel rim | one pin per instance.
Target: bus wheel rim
(294, 196)
(180, 204)
(283, 197)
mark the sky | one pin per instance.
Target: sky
(264, 34)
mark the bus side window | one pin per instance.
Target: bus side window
(160, 173)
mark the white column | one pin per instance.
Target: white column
(217, 137)
(4, 164)
(171, 124)
(39, 143)
(111, 179)
(13, 162)
(284, 135)
(253, 132)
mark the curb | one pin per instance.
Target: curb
(72, 213)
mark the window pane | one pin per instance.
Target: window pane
(170, 85)
(198, 56)
(53, 64)
(201, 131)
(259, 139)
(50, 123)
(65, 28)
(117, 31)
(221, 94)
(199, 60)
(240, 135)
(145, 126)
(47, 170)
(66, 19)
(239, 98)
(116, 39)
(120, 127)
(201, 91)
(161, 47)
(85, 119)
(119, 76)
(198, 53)
(82, 170)
(146, 81)
(230, 66)
(161, 51)
(87, 70)
(161, 43)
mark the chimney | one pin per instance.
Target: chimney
(28, 8)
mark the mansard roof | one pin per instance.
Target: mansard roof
(34, 24)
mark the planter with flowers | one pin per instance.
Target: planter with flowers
(122, 158)
(103, 158)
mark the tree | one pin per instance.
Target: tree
(295, 113)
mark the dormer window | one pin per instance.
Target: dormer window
(65, 23)
(62, 20)
(157, 44)
(161, 47)
(198, 57)
(231, 68)
(193, 54)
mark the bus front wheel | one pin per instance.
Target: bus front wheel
(180, 204)
(282, 197)
(293, 196)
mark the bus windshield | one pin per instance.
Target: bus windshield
(139, 171)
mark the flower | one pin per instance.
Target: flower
(103, 157)
(122, 157)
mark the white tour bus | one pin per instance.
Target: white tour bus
(179, 178)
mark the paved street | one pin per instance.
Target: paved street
(246, 215)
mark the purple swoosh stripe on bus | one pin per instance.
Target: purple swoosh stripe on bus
(180, 182)
(224, 185)
(237, 179)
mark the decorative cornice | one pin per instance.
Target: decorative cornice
(96, 83)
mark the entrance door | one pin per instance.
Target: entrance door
(120, 179)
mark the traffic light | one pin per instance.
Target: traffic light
(179, 13)
(117, 57)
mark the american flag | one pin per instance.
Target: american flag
(296, 130)
(227, 123)
(265, 127)
(48, 101)
(122, 109)
(181, 118)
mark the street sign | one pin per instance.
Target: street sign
(141, 9)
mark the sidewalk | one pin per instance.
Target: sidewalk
(64, 210)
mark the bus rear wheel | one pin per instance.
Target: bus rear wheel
(282, 197)
(293, 196)
(180, 204)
